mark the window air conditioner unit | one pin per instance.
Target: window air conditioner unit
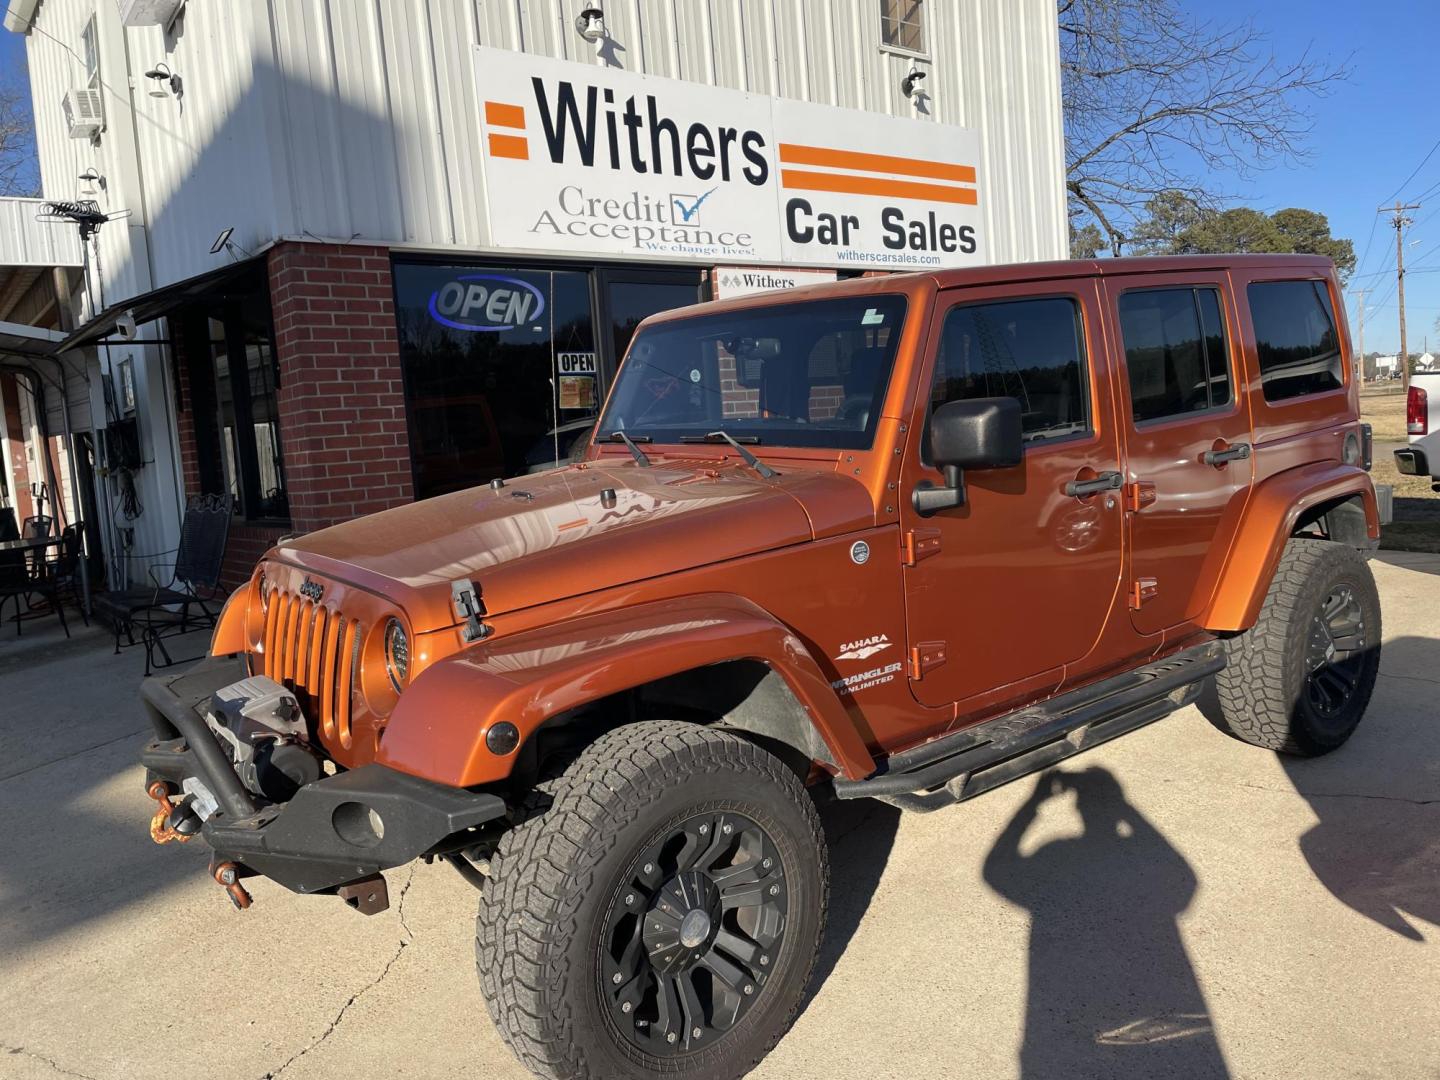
(149, 12)
(84, 113)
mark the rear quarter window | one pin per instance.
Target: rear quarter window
(1295, 338)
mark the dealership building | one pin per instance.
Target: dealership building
(356, 254)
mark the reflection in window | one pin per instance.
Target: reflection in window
(500, 370)
(902, 24)
(1031, 350)
(811, 374)
(1295, 338)
(1174, 352)
(237, 417)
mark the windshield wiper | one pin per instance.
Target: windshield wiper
(750, 459)
(635, 451)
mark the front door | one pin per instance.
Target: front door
(1020, 580)
(1187, 440)
(628, 297)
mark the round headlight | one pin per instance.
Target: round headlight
(1350, 452)
(397, 654)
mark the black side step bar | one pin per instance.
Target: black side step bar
(967, 763)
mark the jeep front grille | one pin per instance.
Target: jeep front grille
(315, 651)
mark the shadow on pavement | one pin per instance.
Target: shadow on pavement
(1421, 561)
(861, 833)
(1112, 993)
(1367, 848)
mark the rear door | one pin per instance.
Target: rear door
(1187, 433)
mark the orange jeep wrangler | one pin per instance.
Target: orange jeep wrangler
(905, 538)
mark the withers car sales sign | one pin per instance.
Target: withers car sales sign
(593, 160)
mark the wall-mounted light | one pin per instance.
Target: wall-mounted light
(910, 84)
(91, 182)
(590, 24)
(161, 77)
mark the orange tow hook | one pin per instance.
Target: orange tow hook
(228, 875)
(160, 830)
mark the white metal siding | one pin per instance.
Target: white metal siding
(25, 241)
(358, 118)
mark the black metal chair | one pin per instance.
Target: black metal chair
(63, 571)
(19, 584)
(37, 527)
(164, 608)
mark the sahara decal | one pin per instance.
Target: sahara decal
(864, 648)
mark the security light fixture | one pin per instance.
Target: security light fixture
(910, 84)
(221, 241)
(162, 75)
(590, 24)
(90, 180)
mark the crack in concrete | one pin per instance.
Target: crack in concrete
(23, 1052)
(1409, 678)
(1340, 795)
(74, 754)
(406, 938)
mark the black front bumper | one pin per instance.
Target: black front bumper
(337, 830)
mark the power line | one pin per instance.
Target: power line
(1416, 172)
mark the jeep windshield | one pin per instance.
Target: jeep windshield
(809, 374)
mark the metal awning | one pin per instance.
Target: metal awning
(18, 341)
(160, 302)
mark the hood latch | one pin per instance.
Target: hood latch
(465, 598)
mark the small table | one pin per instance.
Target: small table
(38, 543)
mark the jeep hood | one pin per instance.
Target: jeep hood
(576, 530)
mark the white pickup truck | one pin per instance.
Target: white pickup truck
(1422, 421)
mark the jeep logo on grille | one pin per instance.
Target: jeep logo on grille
(312, 590)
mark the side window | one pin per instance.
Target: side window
(1295, 338)
(902, 25)
(1032, 350)
(1175, 352)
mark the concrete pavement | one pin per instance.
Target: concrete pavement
(1176, 904)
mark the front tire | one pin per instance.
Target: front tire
(1299, 680)
(662, 917)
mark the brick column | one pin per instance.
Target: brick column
(342, 408)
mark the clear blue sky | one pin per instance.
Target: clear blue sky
(1370, 134)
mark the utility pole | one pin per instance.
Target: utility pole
(1399, 221)
(1360, 310)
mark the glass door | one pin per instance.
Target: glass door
(628, 297)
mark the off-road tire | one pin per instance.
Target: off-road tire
(1261, 697)
(552, 879)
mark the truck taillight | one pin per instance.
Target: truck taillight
(1417, 412)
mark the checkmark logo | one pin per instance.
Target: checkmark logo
(688, 212)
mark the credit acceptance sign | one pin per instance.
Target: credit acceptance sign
(582, 159)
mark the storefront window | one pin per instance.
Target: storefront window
(233, 381)
(501, 372)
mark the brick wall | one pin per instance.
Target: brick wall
(19, 480)
(342, 408)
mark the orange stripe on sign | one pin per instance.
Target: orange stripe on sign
(795, 154)
(502, 115)
(510, 146)
(802, 180)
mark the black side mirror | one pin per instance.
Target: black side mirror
(976, 433)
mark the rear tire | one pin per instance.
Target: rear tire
(663, 917)
(1299, 680)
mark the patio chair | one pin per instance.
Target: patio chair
(63, 572)
(18, 584)
(37, 527)
(166, 606)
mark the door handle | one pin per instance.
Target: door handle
(1106, 481)
(1237, 452)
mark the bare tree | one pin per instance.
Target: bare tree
(1156, 101)
(17, 141)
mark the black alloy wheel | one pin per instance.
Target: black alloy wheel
(1335, 655)
(691, 933)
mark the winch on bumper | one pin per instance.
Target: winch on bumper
(333, 830)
